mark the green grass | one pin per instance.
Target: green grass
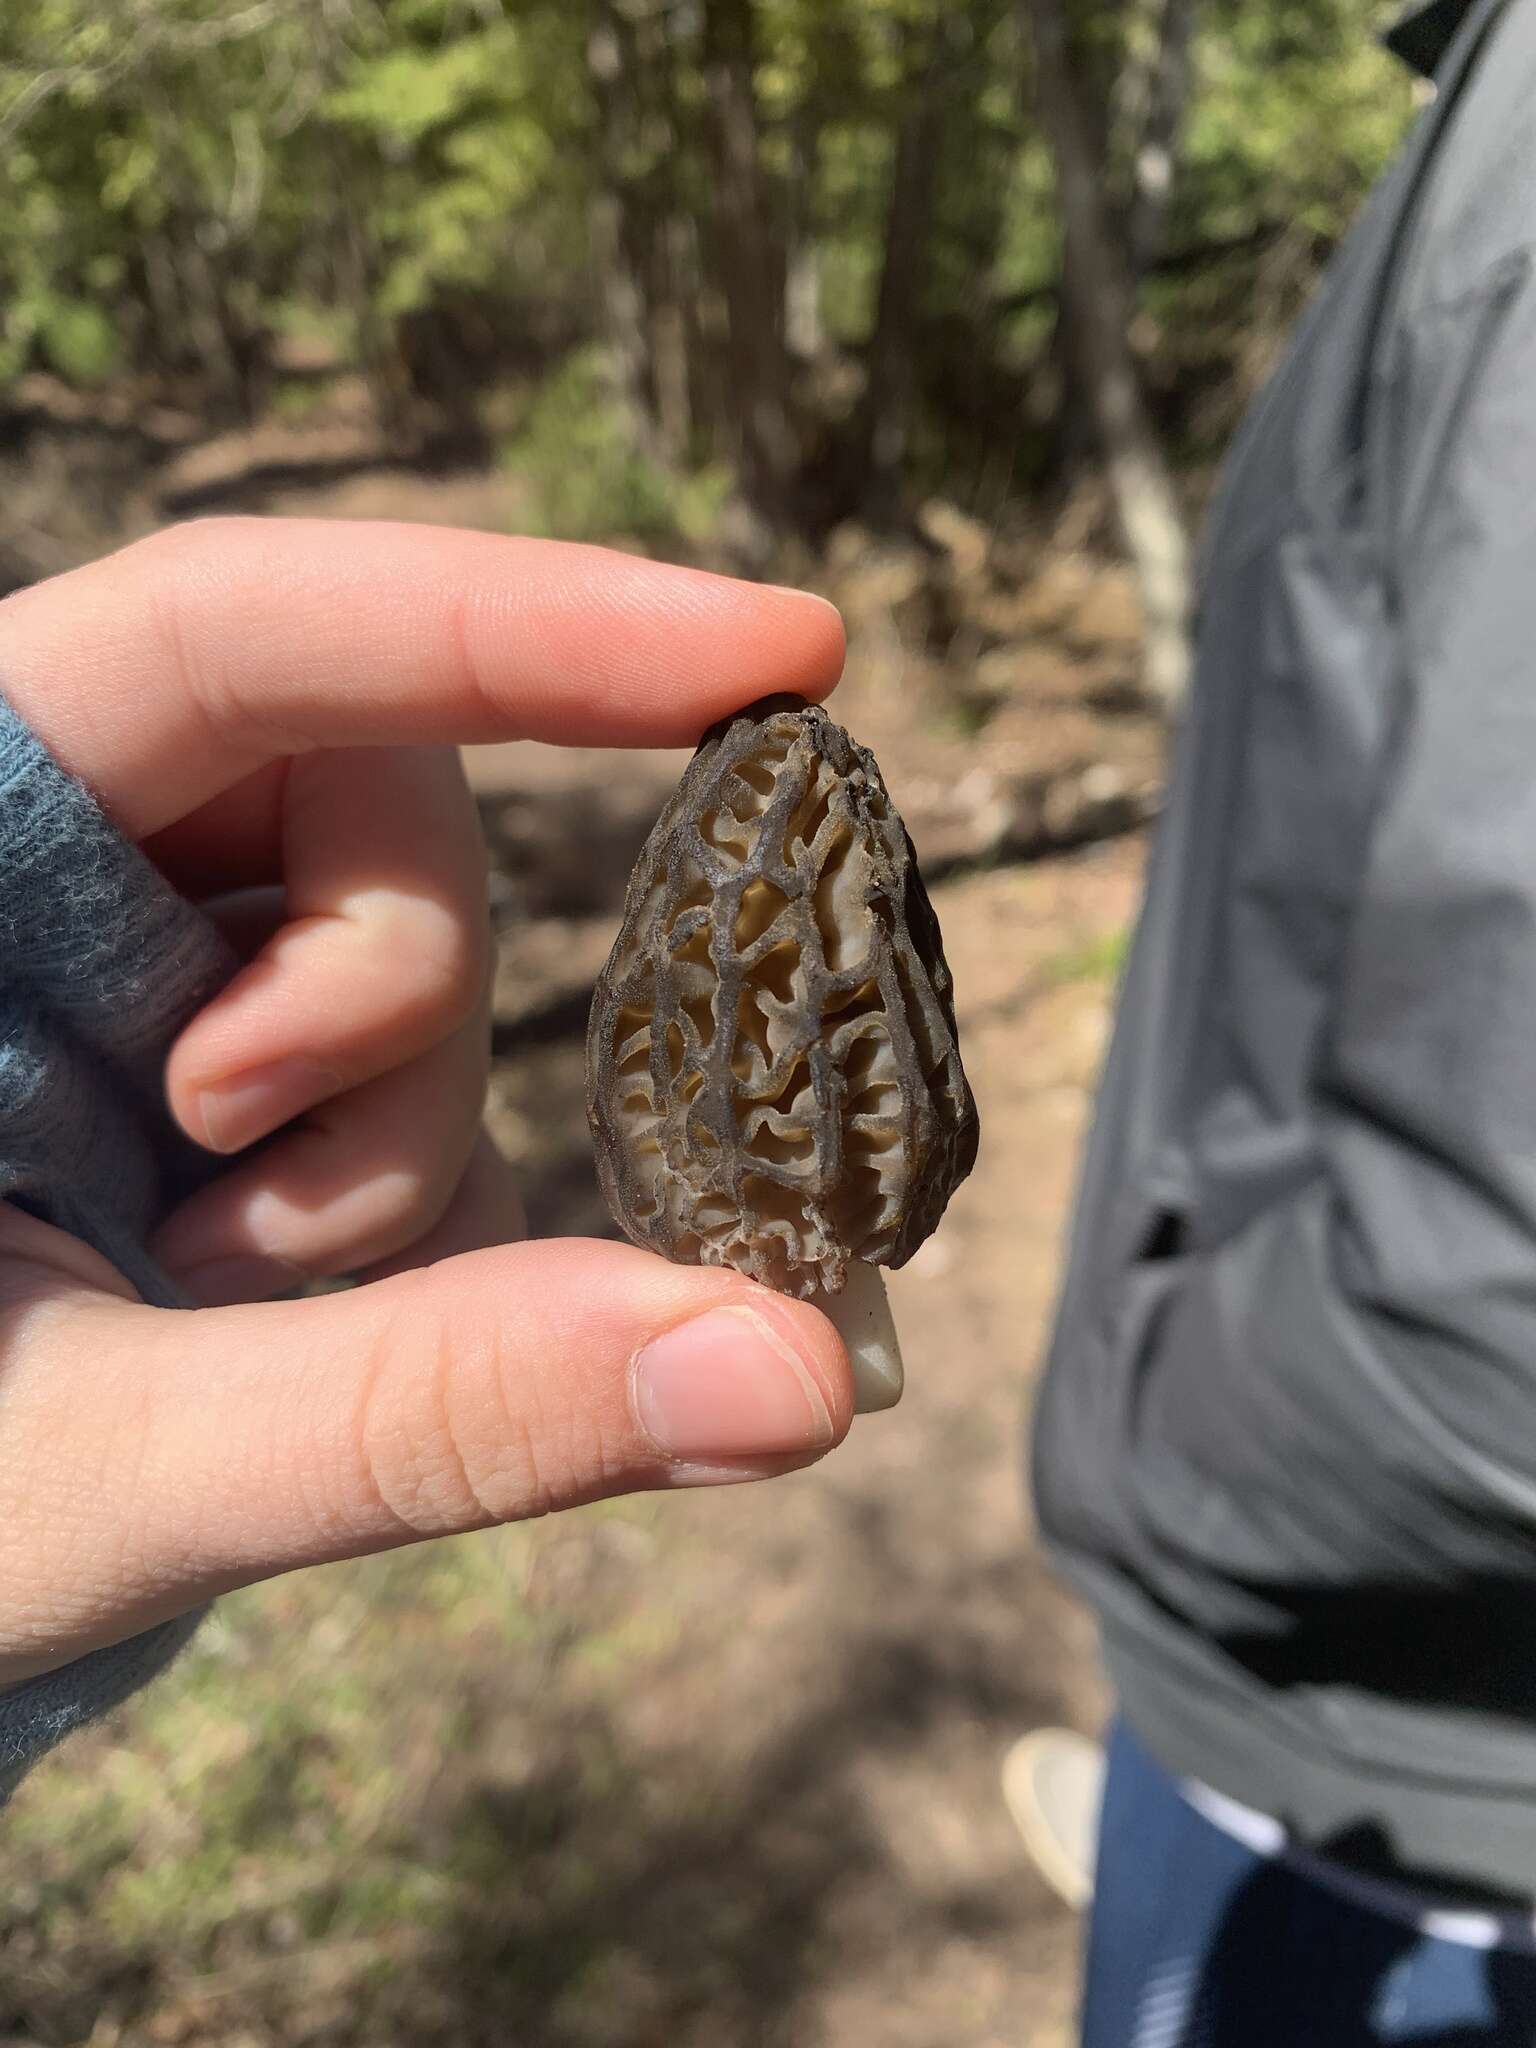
(302, 1775)
(1097, 959)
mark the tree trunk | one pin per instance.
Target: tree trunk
(749, 264)
(804, 335)
(1164, 100)
(1099, 300)
(621, 294)
(670, 367)
(162, 293)
(672, 280)
(887, 410)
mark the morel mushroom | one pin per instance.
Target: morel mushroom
(773, 1079)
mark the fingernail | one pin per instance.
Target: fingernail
(807, 596)
(239, 1112)
(219, 1283)
(727, 1386)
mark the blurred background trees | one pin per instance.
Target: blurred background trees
(799, 261)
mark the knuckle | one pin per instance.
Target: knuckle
(182, 560)
(453, 1451)
(410, 1466)
(390, 1238)
(405, 1209)
(445, 958)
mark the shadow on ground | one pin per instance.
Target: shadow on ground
(709, 1900)
(252, 485)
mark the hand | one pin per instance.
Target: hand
(270, 707)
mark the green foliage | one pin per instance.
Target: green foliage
(463, 134)
(76, 338)
(183, 173)
(586, 477)
(1298, 109)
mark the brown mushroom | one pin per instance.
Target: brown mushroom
(773, 1078)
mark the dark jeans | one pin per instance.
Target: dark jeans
(1196, 1942)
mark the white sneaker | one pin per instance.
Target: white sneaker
(1053, 1782)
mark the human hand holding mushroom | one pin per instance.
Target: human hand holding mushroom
(264, 707)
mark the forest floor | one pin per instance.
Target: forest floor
(715, 1770)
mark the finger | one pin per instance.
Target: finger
(194, 657)
(487, 1210)
(363, 1176)
(385, 951)
(37, 1257)
(233, 842)
(152, 1458)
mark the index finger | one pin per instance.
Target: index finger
(164, 673)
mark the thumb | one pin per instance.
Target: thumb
(151, 1458)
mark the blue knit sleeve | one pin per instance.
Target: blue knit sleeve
(101, 965)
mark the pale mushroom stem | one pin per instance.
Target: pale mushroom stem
(862, 1314)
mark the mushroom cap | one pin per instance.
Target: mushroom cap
(773, 1077)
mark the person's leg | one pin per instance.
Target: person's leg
(1196, 1941)
(1164, 1880)
(1446, 1995)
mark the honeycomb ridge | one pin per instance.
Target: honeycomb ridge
(773, 1074)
